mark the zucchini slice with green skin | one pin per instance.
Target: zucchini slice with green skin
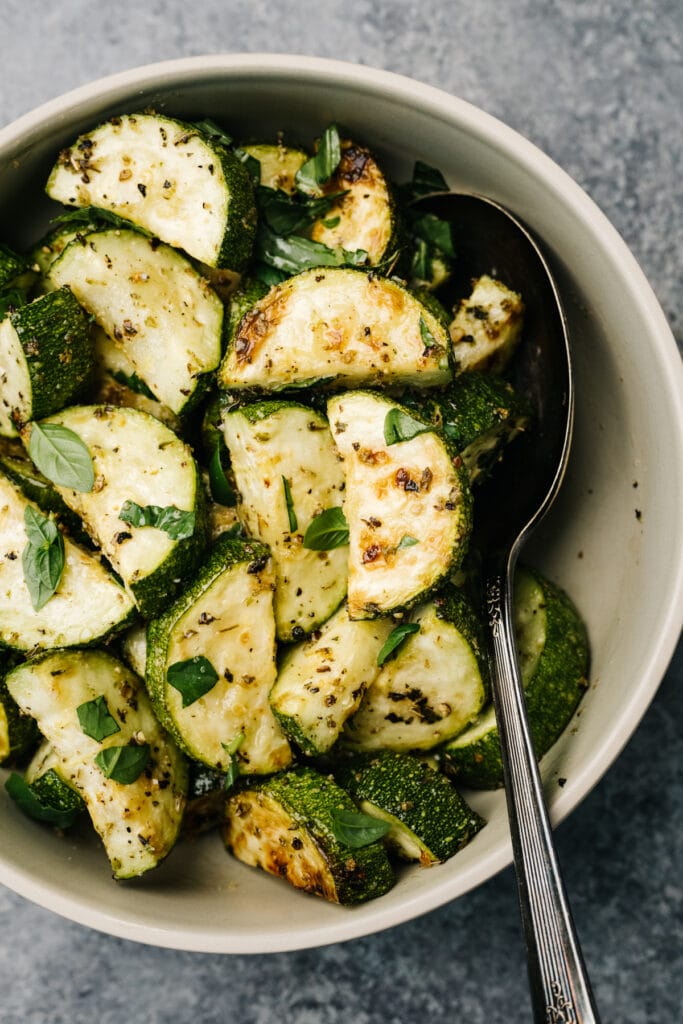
(18, 732)
(553, 652)
(15, 464)
(152, 304)
(49, 780)
(46, 358)
(287, 471)
(88, 605)
(285, 825)
(429, 819)
(321, 682)
(432, 688)
(278, 164)
(340, 325)
(138, 821)
(487, 327)
(136, 458)
(480, 413)
(167, 177)
(366, 216)
(16, 271)
(408, 505)
(226, 617)
(117, 382)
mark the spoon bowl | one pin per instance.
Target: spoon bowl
(509, 506)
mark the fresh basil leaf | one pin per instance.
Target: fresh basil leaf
(192, 678)
(10, 300)
(221, 488)
(214, 132)
(327, 531)
(291, 514)
(43, 557)
(395, 639)
(435, 231)
(96, 720)
(90, 218)
(355, 830)
(399, 426)
(135, 383)
(22, 794)
(406, 541)
(233, 768)
(294, 253)
(331, 222)
(61, 456)
(123, 764)
(427, 179)
(319, 169)
(428, 339)
(268, 275)
(286, 215)
(421, 264)
(177, 523)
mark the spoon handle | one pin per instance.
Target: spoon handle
(560, 988)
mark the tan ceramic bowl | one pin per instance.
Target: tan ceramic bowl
(624, 570)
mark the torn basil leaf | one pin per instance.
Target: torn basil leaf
(426, 179)
(354, 829)
(295, 254)
(436, 232)
(43, 557)
(318, 170)
(135, 383)
(395, 639)
(399, 426)
(61, 456)
(123, 764)
(406, 541)
(192, 678)
(428, 339)
(222, 490)
(291, 514)
(233, 768)
(286, 215)
(327, 531)
(177, 523)
(96, 720)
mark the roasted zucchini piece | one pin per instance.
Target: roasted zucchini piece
(407, 503)
(15, 464)
(152, 304)
(340, 325)
(321, 681)
(46, 357)
(205, 806)
(96, 715)
(429, 819)
(18, 732)
(287, 471)
(211, 662)
(365, 217)
(50, 781)
(487, 327)
(278, 164)
(144, 473)
(553, 652)
(287, 825)
(167, 177)
(434, 685)
(88, 604)
(117, 382)
(480, 413)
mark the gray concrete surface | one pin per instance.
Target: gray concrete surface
(598, 84)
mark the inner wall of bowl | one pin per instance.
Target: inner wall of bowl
(612, 562)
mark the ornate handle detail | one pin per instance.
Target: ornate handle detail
(560, 988)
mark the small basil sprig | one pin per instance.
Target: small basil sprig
(96, 720)
(286, 214)
(355, 830)
(425, 179)
(177, 523)
(61, 456)
(43, 557)
(318, 170)
(123, 764)
(327, 531)
(35, 807)
(233, 768)
(291, 513)
(395, 639)
(192, 678)
(222, 490)
(295, 254)
(399, 426)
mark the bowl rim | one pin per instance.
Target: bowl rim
(454, 112)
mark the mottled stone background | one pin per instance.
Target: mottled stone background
(597, 84)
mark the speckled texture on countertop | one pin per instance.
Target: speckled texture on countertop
(597, 84)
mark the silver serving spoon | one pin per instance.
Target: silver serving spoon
(488, 239)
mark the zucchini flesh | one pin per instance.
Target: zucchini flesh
(321, 681)
(136, 458)
(285, 825)
(168, 178)
(137, 822)
(396, 495)
(87, 605)
(430, 821)
(340, 324)
(267, 442)
(487, 327)
(553, 654)
(434, 686)
(117, 382)
(225, 616)
(149, 300)
(278, 164)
